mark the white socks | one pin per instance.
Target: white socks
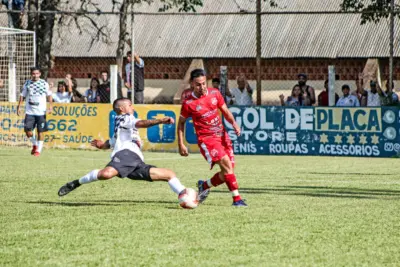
(176, 185)
(33, 140)
(40, 146)
(90, 177)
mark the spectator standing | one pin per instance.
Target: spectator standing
(63, 95)
(138, 79)
(295, 100)
(323, 97)
(242, 95)
(388, 98)
(347, 100)
(35, 92)
(306, 89)
(76, 95)
(104, 89)
(372, 97)
(91, 94)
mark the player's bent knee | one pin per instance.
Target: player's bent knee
(226, 165)
(107, 174)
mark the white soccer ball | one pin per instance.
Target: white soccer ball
(188, 199)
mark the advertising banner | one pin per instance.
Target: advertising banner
(369, 132)
(372, 132)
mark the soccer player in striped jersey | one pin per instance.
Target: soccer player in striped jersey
(35, 92)
(126, 158)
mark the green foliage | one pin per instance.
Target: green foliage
(183, 5)
(303, 211)
(372, 10)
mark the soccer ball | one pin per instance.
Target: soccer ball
(188, 199)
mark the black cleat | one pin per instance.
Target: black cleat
(68, 187)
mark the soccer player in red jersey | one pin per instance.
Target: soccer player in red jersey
(203, 105)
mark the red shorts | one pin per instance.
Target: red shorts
(214, 148)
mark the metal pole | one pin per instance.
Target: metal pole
(331, 85)
(132, 57)
(391, 45)
(258, 56)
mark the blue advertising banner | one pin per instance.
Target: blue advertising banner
(369, 132)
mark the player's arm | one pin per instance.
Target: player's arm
(229, 117)
(22, 98)
(49, 98)
(150, 123)
(180, 132)
(100, 144)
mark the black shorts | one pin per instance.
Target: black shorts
(130, 165)
(33, 121)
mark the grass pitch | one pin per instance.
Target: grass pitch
(303, 211)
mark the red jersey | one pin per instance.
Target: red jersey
(204, 112)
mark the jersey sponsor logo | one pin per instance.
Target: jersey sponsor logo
(198, 108)
(214, 101)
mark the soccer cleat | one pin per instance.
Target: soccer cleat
(68, 187)
(239, 203)
(203, 193)
(36, 154)
(34, 149)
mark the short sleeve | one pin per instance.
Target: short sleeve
(185, 113)
(220, 99)
(129, 122)
(356, 102)
(25, 89)
(47, 88)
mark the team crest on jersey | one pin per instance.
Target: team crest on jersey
(198, 108)
(214, 152)
(214, 101)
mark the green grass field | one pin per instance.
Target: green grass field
(303, 211)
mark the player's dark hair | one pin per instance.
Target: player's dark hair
(345, 86)
(197, 73)
(215, 80)
(35, 68)
(117, 102)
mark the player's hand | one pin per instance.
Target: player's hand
(236, 128)
(167, 120)
(97, 143)
(282, 97)
(183, 151)
(49, 110)
(18, 111)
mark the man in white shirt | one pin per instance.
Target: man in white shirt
(347, 100)
(373, 95)
(241, 96)
(35, 91)
(126, 158)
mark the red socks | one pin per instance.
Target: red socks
(214, 181)
(233, 186)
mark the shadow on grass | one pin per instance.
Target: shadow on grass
(322, 191)
(100, 203)
(70, 204)
(352, 173)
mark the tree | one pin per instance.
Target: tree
(371, 10)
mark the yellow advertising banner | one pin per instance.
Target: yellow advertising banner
(76, 125)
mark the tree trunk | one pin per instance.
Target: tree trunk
(44, 36)
(122, 34)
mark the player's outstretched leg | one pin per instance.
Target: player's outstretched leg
(167, 175)
(205, 185)
(93, 176)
